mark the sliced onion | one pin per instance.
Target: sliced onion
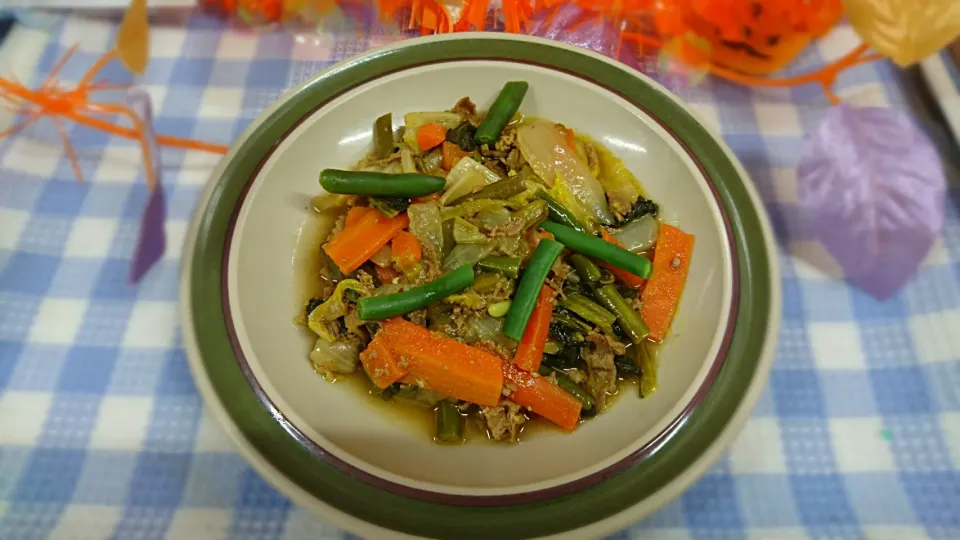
(426, 225)
(382, 257)
(465, 177)
(335, 357)
(546, 150)
(639, 235)
(466, 254)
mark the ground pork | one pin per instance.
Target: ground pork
(503, 421)
(601, 370)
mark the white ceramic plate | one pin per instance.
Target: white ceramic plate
(329, 448)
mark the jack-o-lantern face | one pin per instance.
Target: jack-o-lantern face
(758, 37)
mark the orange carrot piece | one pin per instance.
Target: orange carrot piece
(537, 393)
(530, 349)
(406, 249)
(354, 245)
(662, 293)
(451, 155)
(443, 364)
(571, 141)
(385, 274)
(430, 135)
(428, 198)
(380, 363)
(355, 214)
(626, 277)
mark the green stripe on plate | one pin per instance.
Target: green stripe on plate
(550, 516)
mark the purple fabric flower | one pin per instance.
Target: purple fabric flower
(872, 187)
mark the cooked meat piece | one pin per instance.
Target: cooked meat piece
(378, 163)
(506, 142)
(503, 421)
(576, 375)
(494, 347)
(352, 321)
(513, 227)
(365, 279)
(496, 166)
(468, 110)
(338, 225)
(602, 372)
(418, 316)
(514, 160)
(558, 274)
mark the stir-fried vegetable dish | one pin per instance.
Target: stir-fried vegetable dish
(493, 268)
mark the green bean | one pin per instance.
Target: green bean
(504, 189)
(572, 388)
(588, 309)
(629, 319)
(375, 308)
(559, 213)
(533, 214)
(585, 268)
(600, 249)
(383, 136)
(529, 288)
(449, 422)
(378, 184)
(508, 266)
(502, 110)
(608, 297)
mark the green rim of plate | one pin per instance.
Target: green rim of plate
(417, 517)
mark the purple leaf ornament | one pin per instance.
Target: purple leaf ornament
(574, 25)
(871, 185)
(152, 240)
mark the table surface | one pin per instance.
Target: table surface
(103, 434)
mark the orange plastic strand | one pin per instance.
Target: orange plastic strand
(95, 68)
(474, 15)
(74, 162)
(20, 126)
(141, 135)
(58, 66)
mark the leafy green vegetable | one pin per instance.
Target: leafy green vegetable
(390, 206)
(325, 315)
(626, 367)
(641, 208)
(620, 185)
(465, 232)
(470, 208)
(462, 136)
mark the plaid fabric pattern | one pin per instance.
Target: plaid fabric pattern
(103, 434)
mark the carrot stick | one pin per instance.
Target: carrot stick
(530, 350)
(627, 278)
(451, 154)
(406, 249)
(541, 396)
(430, 135)
(662, 293)
(380, 363)
(445, 365)
(355, 214)
(353, 246)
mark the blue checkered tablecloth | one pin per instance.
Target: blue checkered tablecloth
(103, 434)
